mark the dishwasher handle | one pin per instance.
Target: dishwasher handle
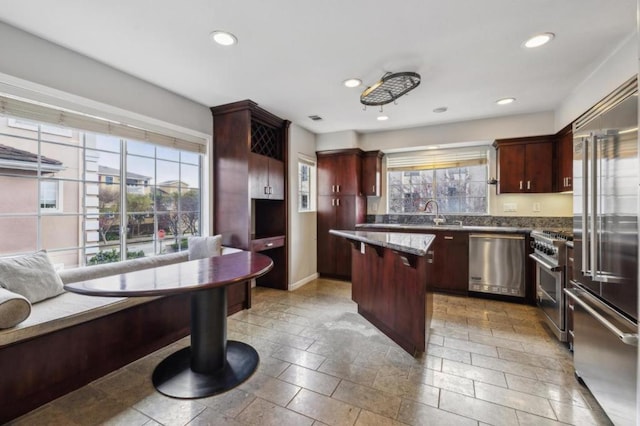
(499, 236)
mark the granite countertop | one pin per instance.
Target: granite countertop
(400, 241)
(401, 226)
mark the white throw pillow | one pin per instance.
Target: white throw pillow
(32, 276)
(13, 308)
(203, 247)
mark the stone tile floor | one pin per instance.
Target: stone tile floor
(321, 363)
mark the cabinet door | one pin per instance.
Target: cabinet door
(511, 159)
(455, 260)
(565, 162)
(435, 268)
(258, 176)
(345, 209)
(276, 179)
(539, 167)
(326, 221)
(371, 174)
(347, 174)
(326, 175)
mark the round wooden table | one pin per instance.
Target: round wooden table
(212, 364)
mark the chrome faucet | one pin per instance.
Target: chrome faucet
(437, 220)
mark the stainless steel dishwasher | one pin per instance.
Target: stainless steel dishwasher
(496, 264)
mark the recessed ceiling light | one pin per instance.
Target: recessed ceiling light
(223, 38)
(539, 40)
(352, 82)
(383, 117)
(505, 101)
(440, 110)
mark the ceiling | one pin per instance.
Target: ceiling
(292, 56)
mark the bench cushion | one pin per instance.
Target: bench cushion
(14, 308)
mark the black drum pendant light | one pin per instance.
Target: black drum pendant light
(390, 87)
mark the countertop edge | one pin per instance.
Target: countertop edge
(362, 237)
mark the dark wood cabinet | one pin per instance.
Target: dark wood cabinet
(266, 177)
(339, 172)
(525, 165)
(564, 156)
(448, 262)
(372, 173)
(249, 183)
(340, 206)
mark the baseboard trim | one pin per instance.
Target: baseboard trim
(303, 281)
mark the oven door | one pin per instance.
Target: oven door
(550, 295)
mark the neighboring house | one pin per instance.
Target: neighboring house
(136, 183)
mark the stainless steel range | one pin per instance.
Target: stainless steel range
(549, 254)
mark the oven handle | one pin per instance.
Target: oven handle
(546, 265)
(626, 338)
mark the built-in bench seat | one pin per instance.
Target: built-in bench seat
(71, 339)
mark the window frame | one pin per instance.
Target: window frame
(311, 165)
(435, 162)
(59, 208)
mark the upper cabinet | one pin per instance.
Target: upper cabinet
(372, 173)
(525, 165)
(564, 153)
(339, 172)
(266, 177)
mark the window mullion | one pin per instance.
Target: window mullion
(124, 217)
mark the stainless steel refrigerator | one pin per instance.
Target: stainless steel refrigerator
(605, 281)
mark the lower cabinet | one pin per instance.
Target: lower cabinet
(342, 213)
(448, 262)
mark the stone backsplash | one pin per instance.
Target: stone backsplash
(565, 223)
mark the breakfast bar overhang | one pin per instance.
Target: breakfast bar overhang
(388, 274)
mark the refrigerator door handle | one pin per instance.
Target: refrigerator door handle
(626, 338)
(586, 259)
(593, 250)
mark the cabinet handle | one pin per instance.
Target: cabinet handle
(373, 188)
(431, 256)
(528, 184)
(269, 245)
(338, 188)
(338, 202)
(266, 189)
(569, 181)
(270, 190)
(333, 188)
(448, 237)
(333, 202)
(520, 184)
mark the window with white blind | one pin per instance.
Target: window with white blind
(92, 197)
(455, 178)
(306, 184)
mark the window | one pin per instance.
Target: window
(456, 179)
(50, 196)
(161, 206)
(306, 184)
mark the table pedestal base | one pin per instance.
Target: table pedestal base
(173, 376)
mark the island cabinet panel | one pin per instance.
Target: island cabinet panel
(390, 290)
(249, 184)
(525, 165)
(448, 262)
(341, 205)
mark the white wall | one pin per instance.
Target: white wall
(337, 140)
(608, 73)
(35, 61)
(302, 226)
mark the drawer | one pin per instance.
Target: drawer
(267, 243)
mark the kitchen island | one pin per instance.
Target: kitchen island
(389, 284)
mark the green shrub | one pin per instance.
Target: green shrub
(110, 256)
